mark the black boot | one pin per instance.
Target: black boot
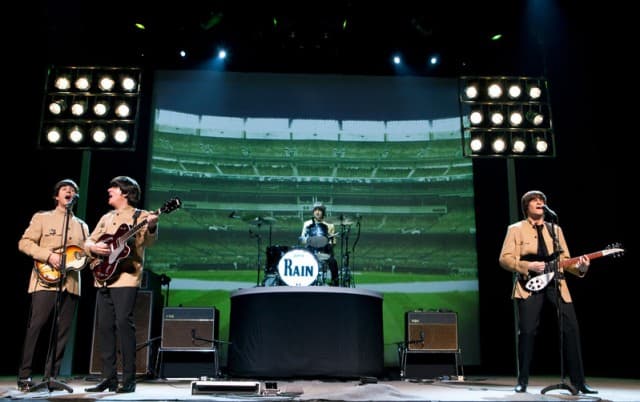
(127, 387)
(25, 384)
(110, 383)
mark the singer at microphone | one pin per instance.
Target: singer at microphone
(532, 246)
(73, 200)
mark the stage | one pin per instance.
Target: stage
(469, 389)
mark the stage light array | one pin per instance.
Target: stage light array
(92, 108)
(505, 117)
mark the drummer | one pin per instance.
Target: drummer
(319, 236)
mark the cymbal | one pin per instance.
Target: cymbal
(343, 221)
(262, 220)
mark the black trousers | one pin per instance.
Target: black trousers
(529, 311)
(43, 305)
(116, 322)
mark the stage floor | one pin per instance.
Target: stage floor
(470, 389)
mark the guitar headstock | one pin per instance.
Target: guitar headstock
(170, 205)
(615, 250)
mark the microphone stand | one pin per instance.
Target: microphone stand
(214, 348)
(50, 383)
(556, 281)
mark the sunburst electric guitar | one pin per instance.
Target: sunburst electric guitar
(534, 283)
(106, 266)
(75, 260)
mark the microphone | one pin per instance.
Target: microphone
(73, 200)
(549, 211)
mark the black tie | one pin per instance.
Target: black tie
(542, 247)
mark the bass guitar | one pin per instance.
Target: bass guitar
(104, 267)
(75, 259)
(536, 282)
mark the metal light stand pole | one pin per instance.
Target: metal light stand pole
(513, 217)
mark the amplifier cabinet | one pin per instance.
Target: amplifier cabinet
(189, 328)
(188, 364)
(430, 365)
(431, 331)
(145, 317)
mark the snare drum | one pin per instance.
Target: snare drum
(317, 235)
(298, 267)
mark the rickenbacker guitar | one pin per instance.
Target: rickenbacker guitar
(534, 283)
(75, 259)
(106, 266)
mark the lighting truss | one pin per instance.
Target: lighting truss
(506, 117)
(91, 108)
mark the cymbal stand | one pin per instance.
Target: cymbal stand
(345, 272)
(353, 248)
(259, 241)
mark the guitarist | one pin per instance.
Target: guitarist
(522, 255)
(116, 297)
(42, 241)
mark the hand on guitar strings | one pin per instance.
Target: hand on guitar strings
(537, 267)
(54, 260)
(100, 248)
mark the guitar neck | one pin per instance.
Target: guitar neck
(592, 256)
(131, 232)
(136, 228)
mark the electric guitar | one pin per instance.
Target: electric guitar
(75, 259)
(105, 266)
(536, 282)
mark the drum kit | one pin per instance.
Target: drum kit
(308, 262)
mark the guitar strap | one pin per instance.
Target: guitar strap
(136, 214)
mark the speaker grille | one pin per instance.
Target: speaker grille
(189, 328)
(431, 331)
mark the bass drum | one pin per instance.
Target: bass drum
(274, 254)
(298, 267)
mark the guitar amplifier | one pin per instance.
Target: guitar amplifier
(189, 328)
(431, 331)
(188, 347)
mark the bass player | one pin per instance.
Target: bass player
(43, 241)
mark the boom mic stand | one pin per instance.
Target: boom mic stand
(556, 281)
(50, 383)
